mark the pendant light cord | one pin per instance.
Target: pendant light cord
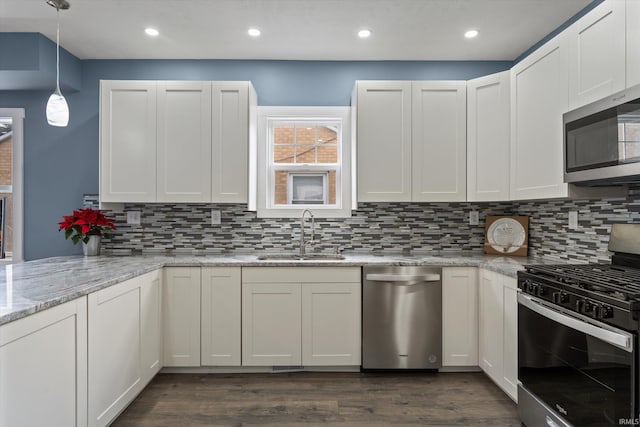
(58, 52)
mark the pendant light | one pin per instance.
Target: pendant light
(57, 108)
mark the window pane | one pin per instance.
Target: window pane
(283, 153)
(280, 190)
(305, 135)
(283, 134)
(307, 189)
(6, 151)
(6, 184)
(306, 155)
(327, 135)
(332, 188)
(328, 154)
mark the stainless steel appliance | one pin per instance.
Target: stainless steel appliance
(401, 317)
(602, 140)
(578, 339)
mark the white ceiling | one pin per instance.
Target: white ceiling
(293, 29)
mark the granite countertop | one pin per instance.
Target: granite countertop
(29, 287)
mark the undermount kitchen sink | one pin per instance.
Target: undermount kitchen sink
(298, 257)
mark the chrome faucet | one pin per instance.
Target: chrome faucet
(303, 243)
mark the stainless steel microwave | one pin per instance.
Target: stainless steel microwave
(602, 140)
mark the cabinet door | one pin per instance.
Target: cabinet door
(43, 368)
(331, 320)
(597, 54)
(115, 372)
(127, 141)
(439, 141)
(633, 42)
(460, 316)
(488, 138)
(181, 312)
(271, 328)
(510, 336)
(539, 92)
(151, 324)
(384, 141)
(491, 334)
(230, 143)
(221, 317)
(184, 141)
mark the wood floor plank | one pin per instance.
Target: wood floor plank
(314, 399)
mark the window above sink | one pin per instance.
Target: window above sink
(304, 161)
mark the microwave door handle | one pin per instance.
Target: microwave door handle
(621, 340)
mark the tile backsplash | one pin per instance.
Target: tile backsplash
(377, 227)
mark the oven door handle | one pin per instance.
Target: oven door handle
(619, 339)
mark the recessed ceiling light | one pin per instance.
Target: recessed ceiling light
(151, 32)
(363, 34)
(471, 34)
(253, 32)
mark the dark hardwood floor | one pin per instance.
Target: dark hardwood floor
(338, 399)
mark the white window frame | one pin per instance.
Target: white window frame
(267, 117)
(17, 116)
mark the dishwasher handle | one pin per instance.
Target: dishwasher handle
(403, 277)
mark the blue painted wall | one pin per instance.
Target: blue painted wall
(61, 164)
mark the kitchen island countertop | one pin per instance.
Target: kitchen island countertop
(33, 286)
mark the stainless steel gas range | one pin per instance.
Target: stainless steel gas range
(578, 331)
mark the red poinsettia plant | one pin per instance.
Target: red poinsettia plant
(84, 223)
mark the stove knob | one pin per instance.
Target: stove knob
(597, 311)
(541, 291)
(606, 312)
(560, 298)
(533, 289)
(580, 305)
(587, 307)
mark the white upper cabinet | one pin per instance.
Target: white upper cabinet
(633, 42)
(539, 97)
(175, 141)
(184, 141)
(488, 138)
(439, 141)
(230, 141)
(128, 141)
(597, 53)
(411, 141)
(384, 141)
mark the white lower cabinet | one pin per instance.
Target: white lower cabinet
(43, 368)
(498, 349)
(123, 344)
(460, 316)
(181, 307)
(221, 316)
(301, 316)
(331, 324)
(271, 327)
(151, 324)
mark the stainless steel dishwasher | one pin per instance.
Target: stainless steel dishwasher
(402, 317)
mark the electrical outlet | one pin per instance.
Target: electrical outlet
(215, 217)
(133, 217)
(573, 220)
(474, 218)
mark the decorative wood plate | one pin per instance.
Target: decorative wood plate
(506, 235)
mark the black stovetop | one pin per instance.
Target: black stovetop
(616, 281)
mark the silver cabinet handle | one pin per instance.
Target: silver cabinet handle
(403, 277)
(620, 339)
